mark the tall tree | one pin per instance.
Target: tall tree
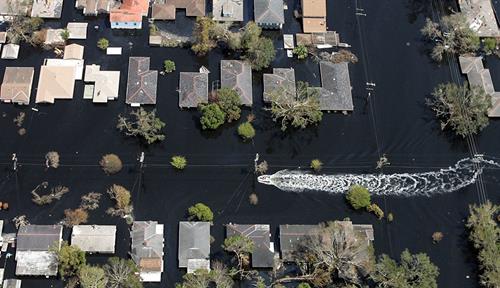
(92, 277)
(122, 273)
(143, 124)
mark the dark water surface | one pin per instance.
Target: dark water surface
(397, 123)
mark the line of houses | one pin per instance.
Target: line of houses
(58, 76)
(37, 245)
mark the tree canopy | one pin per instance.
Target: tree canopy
(201, 212)
(92, 277)
(143, 124)
(70, 259)
(211, 116)
(358, 196)
(122, 273)
(229, 102)
(462, 108)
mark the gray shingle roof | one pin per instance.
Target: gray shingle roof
(194, 241)
(262, 256)
(269, 12)
(336, 94)
(290, 238)
(94, 238)
(193, 89)
(282, 78)
(38, 237)
(147, 243)
(141, 82)
(237, 75)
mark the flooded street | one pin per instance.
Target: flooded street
(393, 120)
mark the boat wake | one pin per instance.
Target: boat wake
(464, 173)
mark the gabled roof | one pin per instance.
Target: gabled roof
(38, 237)
(141, 82)
(291, 236)
(10, 51)
(262, 255)
(335, 94)
(16, 85)
(269, 11)
(147, 245)
(193, 89)
(56, 82)
(237, 75)
(282, 78)
(94, 238)
(194, 242)
(73, 51)
(163, 11)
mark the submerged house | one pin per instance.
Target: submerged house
(129, 15)
(269, 14)
(34, 253)
(47, 9)
(336, 92)
(167, 10)
(237, 75)
(282, 81)
(16, 85)
(55, 82)
(263, 249)
(147, 249)
(313, 16)
(480, 16)
(141, 82)
(105, 84)
(11, 283)
(193, 89)
(94, 7)
(10, 51)
(227, 10)
(194, 246)
(94, 238)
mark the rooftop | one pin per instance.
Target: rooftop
(106, 83)
(193, 89)
(141, 82)
(47, 9)
(54, 36)
(94, 238)
(269, 12)
(10, 51)
(228, 10)
(16, 85)
(481, 17)
(282, 78)
(237, 75)
(15, 7)
(335, 94)
(314, 8)
(194, 242)
(163, 11)
(11, 283)
(147, 247)
(77, 30)
(73, 51)
(55, 82)
(263, 253)
(194, 8)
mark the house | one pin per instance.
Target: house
(227, 10)
(263, 249)
(11, 283)
(16, 85)
(3, 37)
(288, 41)
(281, 80)
(10, 51)
(106, 83)
(313, 16)
(54, 37)
(94, 7)
(336, 92)
(237, 75)
(77, 30)
(194, 246)
(47, 9)
(480, 16)
(163, 11)
(141, 82)
(15, 7)
(269, 14)
(326, 39)
(167, 11)
(77, 63)
(129, 15)
(479, 76)
(193, 89)
(55, 82)
(73, 51)
(94, 238)
(34, 253)
(147, 249)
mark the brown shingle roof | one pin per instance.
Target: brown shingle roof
(16, 85)
(163, 12)
(141, 82)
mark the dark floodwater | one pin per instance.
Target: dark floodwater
(397, 123)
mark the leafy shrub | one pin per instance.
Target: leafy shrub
(70, 258)
(201, 212)
(358, 196)
(168, 66)
(103, 43)
(229, 102)
(246, 131)
(376, 210)
(75, 217)
(316, 165)
(300, 51)
(212, 116)
(111, 163)
(179, 162)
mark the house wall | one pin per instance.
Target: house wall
(126, 25)
(270, 25)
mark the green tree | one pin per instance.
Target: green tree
(250, 35)
(260, 54)
(179, 162)
(303, 285)
(143, 124)
(168, 66)
(415, 270)
(451, 36)
(229, 102)
(316, 165)
(241, 246)
(201, 212)
(299, 111)
(489, 45)
(122, 273)
(202, 34)
(463, 109)
(212, 116)
(103, 43)
(301, 51)
(246, 130)
(23, 29)
(65, 34)
(92, 277)
(485, 235)
(358, 196)
(70, 259)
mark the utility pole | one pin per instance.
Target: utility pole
(14, 161)
(141, 160)
(256, 161)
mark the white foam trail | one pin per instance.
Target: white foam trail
(464, 173)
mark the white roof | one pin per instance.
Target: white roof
(36, 263)
(94, 238)
(77, 30)
(150, 276)
(107, 83)
(54, 36)
(77, 63)
(288, 41)
(114, 51)
(10, 51)
(197, 264)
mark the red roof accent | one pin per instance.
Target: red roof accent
(130, 11)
